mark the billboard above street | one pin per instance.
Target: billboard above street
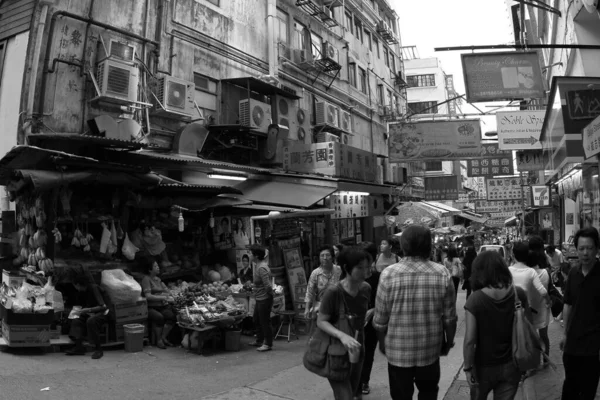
(435, 140)
(493, 161)
(502, 76)
(519, 130)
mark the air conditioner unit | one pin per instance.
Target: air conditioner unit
(255, 114)
(117, 82)
(303, 130)
(174, 97)
(323, 137)
(346, 139)
(284, 111)
(327, 12)
(345, 121)
(327, 114)
(116, 50)
(383, 26)
(329, 52)
(298, 56)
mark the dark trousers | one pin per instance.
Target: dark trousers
(456, 282)
(90, 325)
(350, 388)
(403, 380)
(159, 316)
(581, 377)
(262, 321)
(371, 341)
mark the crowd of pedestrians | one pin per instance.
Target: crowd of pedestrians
(407, 305)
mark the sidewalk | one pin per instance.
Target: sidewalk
(545, 384)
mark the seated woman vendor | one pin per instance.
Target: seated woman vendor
(91, 318)
(160, 312)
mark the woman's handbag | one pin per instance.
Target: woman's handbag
(557, 299)
(526, 346)
(325, 355)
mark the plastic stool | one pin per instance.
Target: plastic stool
(287, 317)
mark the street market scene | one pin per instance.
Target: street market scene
(299, 199)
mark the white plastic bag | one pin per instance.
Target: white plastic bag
(120, 287)
(105, 239)
(129, 249)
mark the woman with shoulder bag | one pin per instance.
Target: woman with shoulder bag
(350, 297)
(454, 265)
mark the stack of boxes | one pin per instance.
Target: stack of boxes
(26, 330)
(123, 314)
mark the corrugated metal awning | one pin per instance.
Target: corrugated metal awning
(284, 193)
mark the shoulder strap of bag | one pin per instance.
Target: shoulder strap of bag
(518, 304)
(397, 258)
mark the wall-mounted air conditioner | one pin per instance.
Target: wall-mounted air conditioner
(174, 97)
(284, 111)
(116, 50)
(327, 12)
(327, 114)
(330, 52)
(255, 114)
(323, 137)
(345, 121)
(117, 82)
(346, 139)
(303, 130)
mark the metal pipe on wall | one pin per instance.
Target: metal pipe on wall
(271, 51)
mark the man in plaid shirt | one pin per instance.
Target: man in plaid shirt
(415, 316)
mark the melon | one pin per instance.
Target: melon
(214, 276)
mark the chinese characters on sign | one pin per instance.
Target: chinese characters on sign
(506, 189)
(484, 206)
(591, 138)
(348, 205)
(493, 162)
(531, 160)
(441, 188)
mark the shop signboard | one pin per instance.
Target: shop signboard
(520, 130)
(441, 187)
(435, 140)
(506, 189)
(541, 196)
(501, 76)
(502, 215)
(493, 161)
(330, 159)
(512, 206)
(591, 138)
(531, 160)
(349, 205)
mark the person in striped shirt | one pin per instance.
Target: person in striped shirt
(415, 316)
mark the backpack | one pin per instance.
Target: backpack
(526, 345)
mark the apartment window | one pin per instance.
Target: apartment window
(281, 26)
(316, 46)
(389, 97)
(431, 166)
(352, 74)
(376, 45)
(205, 94)
(379, 94)
(349, 23)
(215, 2)
(299, 36)
(393, 63)
(423, 107)
(421, 80)
(385, 57)
(358, 29)
(369, 41)
(362, 80)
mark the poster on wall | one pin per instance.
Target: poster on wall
(546, 218)
(241, 236)
(350, 228)
(293, 258)
(570, 219)
(222, 233)
(245, 269)
(335, 227)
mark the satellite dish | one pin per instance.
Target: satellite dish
(590, 5)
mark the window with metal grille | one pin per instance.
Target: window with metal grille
(421, 80)
(423, 107)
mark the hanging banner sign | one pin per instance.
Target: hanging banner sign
(519, 130)
(441, 188)
(541, 196)
(591, 138)
(506, 189)
(435, 140)
(493, 162)
(501, 206)
(534, 160)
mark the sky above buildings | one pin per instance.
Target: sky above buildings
(442, 23)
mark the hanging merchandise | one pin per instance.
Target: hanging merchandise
(105, 240)
(129, 249)
(180, 222)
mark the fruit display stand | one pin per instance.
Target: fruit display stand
(213, 330)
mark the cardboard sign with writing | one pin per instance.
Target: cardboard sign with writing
(493, 162)
(591, 138)
(349, 206)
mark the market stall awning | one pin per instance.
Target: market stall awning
(284, 193)
(172, 189)
(371, 188)
(296, 214)
(471, 217)
(439, 208)
(45, 180)
(512, 221)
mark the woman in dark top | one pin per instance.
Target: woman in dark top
(356, 294)
(160, 309)
(468, 262)
(489, 314)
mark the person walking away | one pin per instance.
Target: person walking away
(453, 264)
(581, 339)
(489, 313)
(541, 319)
(263, 293)
(415, 309)
(160, 310)
(555, 258)
(327, 274)
(355, 293)
(92, 319)
(468, 262)
(525, 277)
(382, 260)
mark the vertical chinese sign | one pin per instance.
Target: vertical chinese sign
(493, 161)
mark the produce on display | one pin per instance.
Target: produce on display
(32, 237)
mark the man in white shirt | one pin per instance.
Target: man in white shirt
(524, 276)
(555, 257)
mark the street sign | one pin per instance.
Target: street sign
(493, 162)
(532, 160)
(591, 138)
(506, 189)
(541, 196)
(583, 104)
(519, 130)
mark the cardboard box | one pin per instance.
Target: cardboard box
(13, 278)
(12, 318)
(119, 331)
(26, 335)
(129, 312)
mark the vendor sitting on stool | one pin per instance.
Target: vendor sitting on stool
(92, 317)
(160, 311)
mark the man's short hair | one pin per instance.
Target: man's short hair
(591, 233)
(521, 251)
(550, 249)
(416, 241)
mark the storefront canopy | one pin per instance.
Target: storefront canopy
(472, 217)
(289, 194)
(441, 209)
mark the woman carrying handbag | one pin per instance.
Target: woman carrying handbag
(335, 350)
